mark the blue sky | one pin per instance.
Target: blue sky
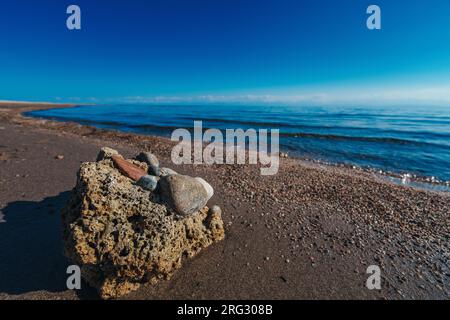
(226, 51)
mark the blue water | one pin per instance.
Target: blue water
(401, 140)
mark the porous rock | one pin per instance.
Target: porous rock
(121, 237)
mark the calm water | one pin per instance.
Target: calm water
(401, 140)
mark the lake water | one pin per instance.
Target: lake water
(404, 140)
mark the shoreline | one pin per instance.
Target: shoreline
(407, 179)
(320, 226)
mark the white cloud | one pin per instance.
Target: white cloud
(364, 96)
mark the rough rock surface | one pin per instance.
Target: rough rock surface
(106, 153)
(122, 237)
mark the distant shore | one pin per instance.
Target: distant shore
(309, 232)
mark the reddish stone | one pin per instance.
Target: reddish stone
(128, 169)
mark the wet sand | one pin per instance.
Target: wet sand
(310, 232)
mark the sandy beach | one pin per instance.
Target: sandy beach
(309, 232)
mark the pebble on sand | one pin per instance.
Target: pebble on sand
(152, 162)
(215, 210)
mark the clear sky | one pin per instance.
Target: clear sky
(274, 51)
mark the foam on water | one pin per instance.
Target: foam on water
(414, 141)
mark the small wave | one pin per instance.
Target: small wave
(153, 127)
(355, 138)
(272, 124)
(78, 120)
(100, 122)
(167, 128)
(268, 124)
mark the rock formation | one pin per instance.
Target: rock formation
(122, 235)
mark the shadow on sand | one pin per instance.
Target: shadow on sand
(31, 256)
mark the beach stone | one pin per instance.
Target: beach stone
(209, 189)
(167, 171)
(122, 236)
(106, 153)
(152, 162)
(184, 194)
(128, 168)
(216, 210)
(148, 182)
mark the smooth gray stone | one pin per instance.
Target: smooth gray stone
(209, 189)
(184, 194)
(148, 182)
(216, 210)
(152, 162)
(167, 172)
